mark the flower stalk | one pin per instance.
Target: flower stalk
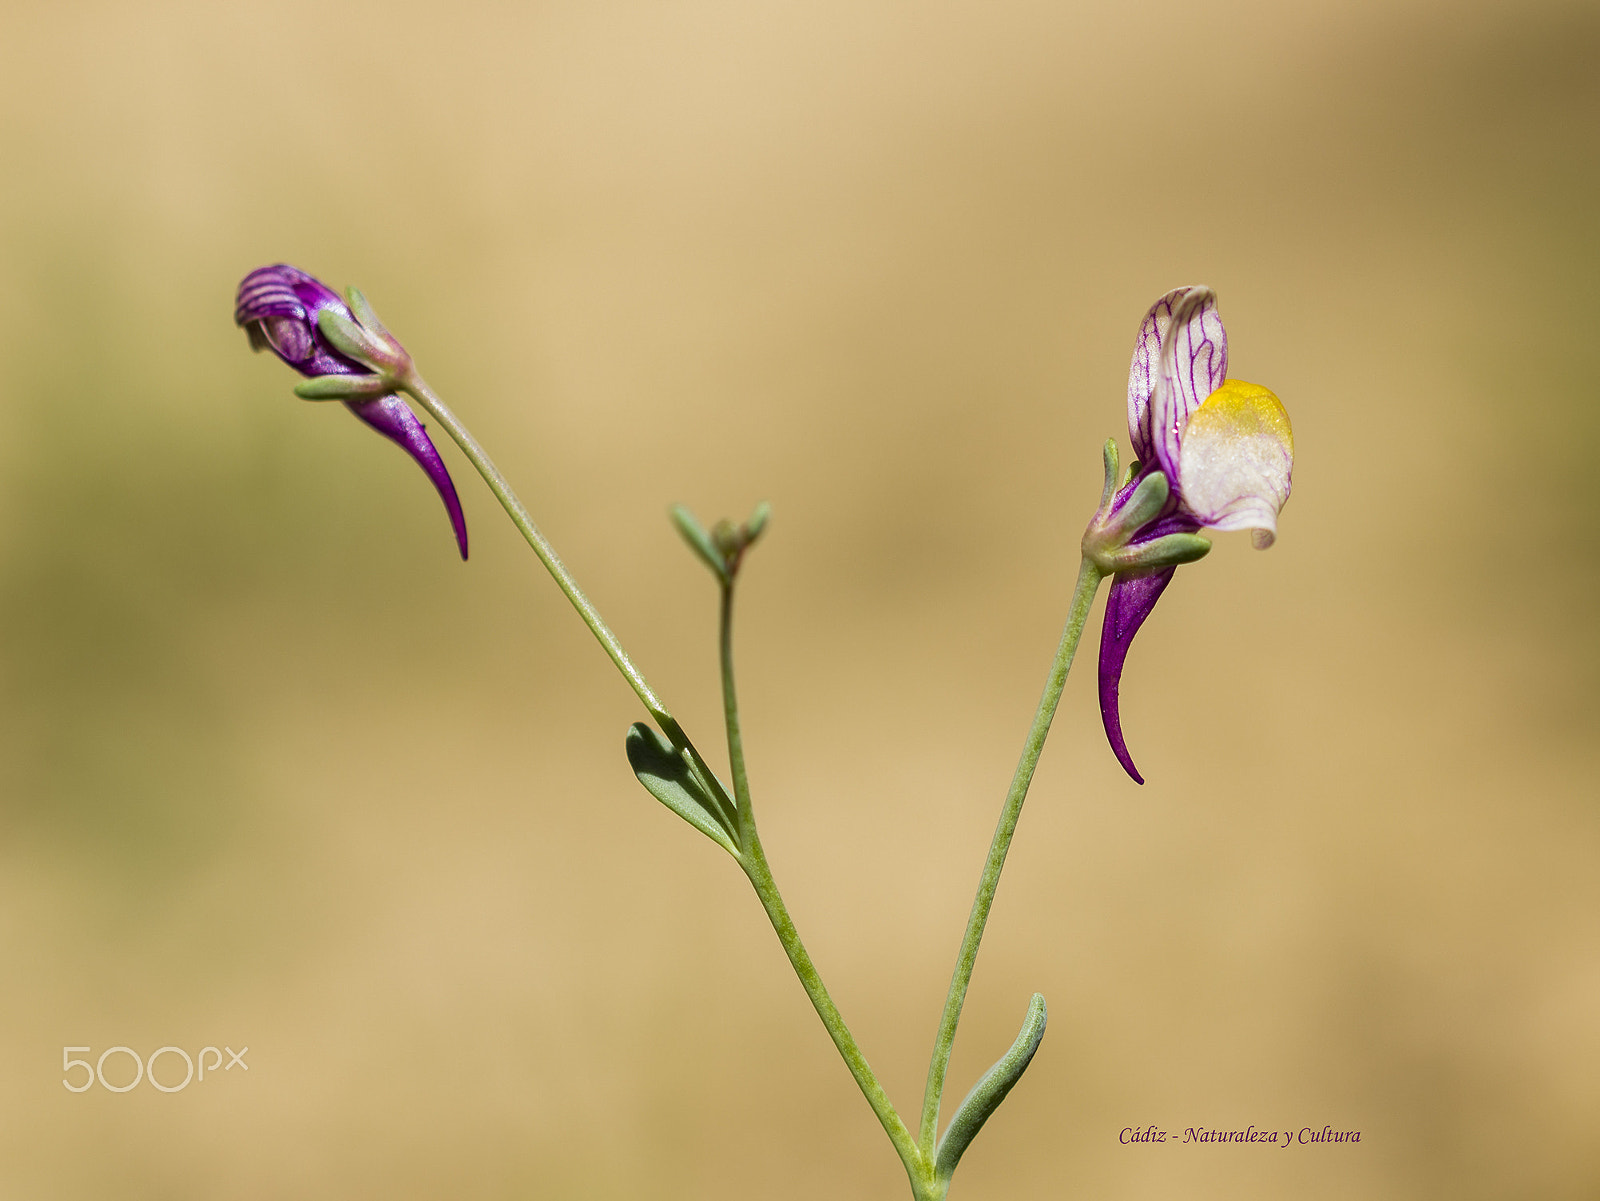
(1089, 576)
(417, 388)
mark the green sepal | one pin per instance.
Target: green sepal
(1110, 454)
(669, 778)
(1167, 551)
(1148, 499)
(987, 1094)
(362, 308)
(343, 387)
(352, 341)
(699, 541)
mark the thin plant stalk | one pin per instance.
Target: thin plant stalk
(1089, 577)
(754, 862)
(418, 388)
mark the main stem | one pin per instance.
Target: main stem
(1088, 582)
(754, 862)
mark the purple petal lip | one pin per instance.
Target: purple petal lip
(1129, 601)
(278, 307)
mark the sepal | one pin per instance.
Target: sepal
(361, 307)
(1123, 514)
(1118, 523)
(373, 351)
(1109, 490)
(1170, 550)
(343, 387)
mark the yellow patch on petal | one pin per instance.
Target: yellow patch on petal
(1235, 460)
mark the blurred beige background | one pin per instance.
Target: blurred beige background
(277, 770)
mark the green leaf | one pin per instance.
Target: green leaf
(699, 541)
(987, 1094)
(668, 777)
(757, 522)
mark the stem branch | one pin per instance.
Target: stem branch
(754, 862)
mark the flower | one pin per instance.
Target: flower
(1212, 453)
(305, 323)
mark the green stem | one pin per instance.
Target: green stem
(418, 388)
(754, 862)
(730, 710)
(1089, 577)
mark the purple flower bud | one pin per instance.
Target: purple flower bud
(280, 308)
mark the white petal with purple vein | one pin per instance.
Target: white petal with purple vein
(1193, 364)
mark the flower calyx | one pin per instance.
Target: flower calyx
(358, 335)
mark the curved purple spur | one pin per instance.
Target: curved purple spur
(279, 308)
(1129, 601)
(1224, 454)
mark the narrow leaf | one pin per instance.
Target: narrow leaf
(668, 778)
(757, 522)
(987, 1094)
(699, 541)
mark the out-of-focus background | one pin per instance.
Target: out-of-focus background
(278, 771)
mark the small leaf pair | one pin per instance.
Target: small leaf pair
(723, 548)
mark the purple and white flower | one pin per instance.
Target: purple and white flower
(1213, 453)
(348, 356)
